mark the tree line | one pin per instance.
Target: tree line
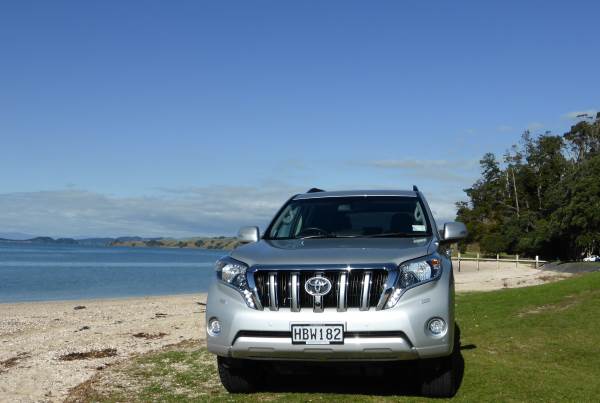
(541, 198)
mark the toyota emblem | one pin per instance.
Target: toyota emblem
(317, 286)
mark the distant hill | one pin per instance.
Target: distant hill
(95, 241)
(204, 243)
(19, 236)
(43, 240)
(135, 241)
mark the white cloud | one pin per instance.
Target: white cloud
(461, 171)
(176, 212)
(442, 204)
(410, 163)
(172, 212)
(580, 114)
(505, 128)
(535, 126)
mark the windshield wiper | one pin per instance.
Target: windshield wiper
(393, 235)
(328, 236)
(316, 236)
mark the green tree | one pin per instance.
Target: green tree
(578, 220)
(543, 198)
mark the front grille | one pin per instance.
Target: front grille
(362, 289)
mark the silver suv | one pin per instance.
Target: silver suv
(355, 276)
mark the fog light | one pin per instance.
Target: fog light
(214, 327)
(436, 326)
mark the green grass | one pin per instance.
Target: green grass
(529, 344)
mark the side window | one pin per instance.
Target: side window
(283, 225)
(298, 226)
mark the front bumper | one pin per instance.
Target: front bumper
(398, 333)
(354, 348)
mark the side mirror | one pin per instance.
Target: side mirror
(248, 234)
(453, 232)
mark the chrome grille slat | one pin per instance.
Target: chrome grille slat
(365, 291)
(273, 305)
(341, 295)
(295, 292)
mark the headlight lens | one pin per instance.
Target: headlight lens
(414, 273)
(233, 273)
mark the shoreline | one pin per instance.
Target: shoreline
(101, 299)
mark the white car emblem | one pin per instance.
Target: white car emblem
(317, 286)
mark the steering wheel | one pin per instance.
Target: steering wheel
(308, 230)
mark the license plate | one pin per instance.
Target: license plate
(318, 334)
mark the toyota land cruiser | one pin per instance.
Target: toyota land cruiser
(338, 276)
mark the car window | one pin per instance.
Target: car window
(351, 217)
(282, 228)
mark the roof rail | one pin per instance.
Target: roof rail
(314, 190)
(415, 188)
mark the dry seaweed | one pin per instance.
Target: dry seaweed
(107, 352)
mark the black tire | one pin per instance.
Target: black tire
(440, 376)
(239, 376)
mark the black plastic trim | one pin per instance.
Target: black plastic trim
(347, 335)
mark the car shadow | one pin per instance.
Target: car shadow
(373, 379)
(345, 378)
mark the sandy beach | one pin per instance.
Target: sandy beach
(48, 348)
(44, 344)
(490, 277)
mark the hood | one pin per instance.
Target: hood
(333, 251)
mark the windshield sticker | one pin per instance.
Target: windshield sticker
(419, 228)
(344, 207)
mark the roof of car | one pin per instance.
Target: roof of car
(356, 193)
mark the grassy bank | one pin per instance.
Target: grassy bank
(529, 344)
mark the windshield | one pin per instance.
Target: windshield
(351, 217)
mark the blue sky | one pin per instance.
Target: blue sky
(192, 118)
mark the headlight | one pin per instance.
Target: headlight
(414, 273)
(233, 273)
